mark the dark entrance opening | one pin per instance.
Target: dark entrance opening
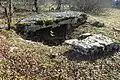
(48, 36)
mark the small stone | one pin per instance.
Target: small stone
(97, 24)
(70, 41)
(13, 48)
(83, 36)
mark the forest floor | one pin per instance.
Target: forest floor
(26, 60)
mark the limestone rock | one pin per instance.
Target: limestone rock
(94, 44)
(85, 35)
(50, 19)
(70, 41)
(97, 24)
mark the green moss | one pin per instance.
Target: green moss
(48, 22)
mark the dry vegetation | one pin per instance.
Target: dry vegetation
(26, 60)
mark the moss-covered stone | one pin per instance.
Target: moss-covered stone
(50, 19)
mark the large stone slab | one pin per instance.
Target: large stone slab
(94, 44)
(50, 19)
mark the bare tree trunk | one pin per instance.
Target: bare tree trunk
(59, 4)
(10, 14)
(5, 10)
(36, 6)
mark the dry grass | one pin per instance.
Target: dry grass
(111, 19)
(25, 60)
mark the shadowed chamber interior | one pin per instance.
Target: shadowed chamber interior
(45, 35)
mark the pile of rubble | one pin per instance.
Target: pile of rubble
(93, 44)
